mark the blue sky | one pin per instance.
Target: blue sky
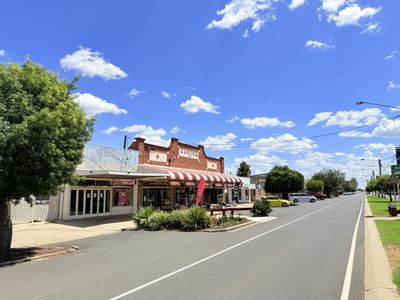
(250, 79)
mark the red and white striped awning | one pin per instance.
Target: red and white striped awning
(195, 175)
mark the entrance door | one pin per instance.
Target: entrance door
(90, 202)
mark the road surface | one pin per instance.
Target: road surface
(302, 254)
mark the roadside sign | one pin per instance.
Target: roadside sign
(395, 169)
(393, 179)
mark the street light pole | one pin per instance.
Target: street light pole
(377, 104)
(380, 167)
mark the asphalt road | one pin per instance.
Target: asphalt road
(303, 254)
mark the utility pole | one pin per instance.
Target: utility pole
(373, 174)
(380, 167)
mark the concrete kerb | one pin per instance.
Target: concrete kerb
(73, 248)
(378, 282)
(252, 221)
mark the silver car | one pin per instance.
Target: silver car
(301, 197)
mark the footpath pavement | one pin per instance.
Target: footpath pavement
(45, 233)
(378, 282)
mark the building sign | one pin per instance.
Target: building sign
(189, 153)
(190, 183)
(158, 156)
(122, 182)
(212, 165)
(174, 183)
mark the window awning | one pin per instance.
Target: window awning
(193, 175)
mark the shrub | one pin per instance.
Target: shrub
(261, 208)
(195, 218)
(158, 220)
(142, 216)
(229, 219)
(176, 217)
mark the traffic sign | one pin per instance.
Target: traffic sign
(395, 169)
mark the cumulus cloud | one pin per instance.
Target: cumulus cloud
(238, 11)
(332, 6)
(165, 94)
(351, 15)
(283, 143)
(318, 45)
(152, 136)
(355, 133)
(176, 130)
(266, 122)
(246, 139)
(2, 53)
(91, 63)
(320, 117)
(259, 163)
(372, 28)
(368, 116)
(393, 86)
(296, 3)
(388, 128)
(233, 119)
(110, 130)
(93, 105)
(196, 104)
(219, 142)
(135, 92)
(391, 55)
(382, 148)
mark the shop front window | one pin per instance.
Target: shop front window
(122, 196)
(158, 197)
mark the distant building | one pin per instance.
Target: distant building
(259, 181)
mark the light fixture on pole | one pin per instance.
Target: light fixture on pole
(377, 104)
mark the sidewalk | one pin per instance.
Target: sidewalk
(43, 233)
(378, 282)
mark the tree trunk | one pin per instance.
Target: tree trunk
(5, 226)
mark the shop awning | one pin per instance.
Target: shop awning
(193, 175)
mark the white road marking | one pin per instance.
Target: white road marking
(349, 270)
(218, 253)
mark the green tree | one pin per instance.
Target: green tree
(333, 180)
(371, 186)
(350, 185)
(384, 185)
(315, 185)
(42, 136)
(283, 180)
(243, 170)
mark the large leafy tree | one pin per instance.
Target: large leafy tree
(333, 180)
(42, 136)
(283, 180)
(314, 185)
(243, 170)
(350, 185)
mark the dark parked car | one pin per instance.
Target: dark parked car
(319, 196)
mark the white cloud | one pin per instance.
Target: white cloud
(320, 117)
(246, 33)
(238, 11)
(283, 143)
(296, 3)
(219, 142)
(196, 104)
(391, 55)
(368, 116)
(355, 133)
(91, 64)
(371, 28)
(246, 139)
(388, 128)
(110, 130)
(233, 119)
(152, 136)
(393, 86)
(176, 130)
(135, 92)
(382, 148)
(265, 122)
(351, 15)
(165, 94)
(332, 6)
(318, 45)
(315, 161)
(93, 105)
(2, 53)
(259, 163)
(257, 24)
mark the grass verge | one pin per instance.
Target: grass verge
(389, 231)
(379, 206)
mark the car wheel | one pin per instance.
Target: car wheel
(295, 201)
(312, 200)
(284, 205)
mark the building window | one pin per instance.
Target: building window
(122, 196)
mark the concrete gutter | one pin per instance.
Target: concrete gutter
(378, 282)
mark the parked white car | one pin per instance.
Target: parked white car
(301, 197)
